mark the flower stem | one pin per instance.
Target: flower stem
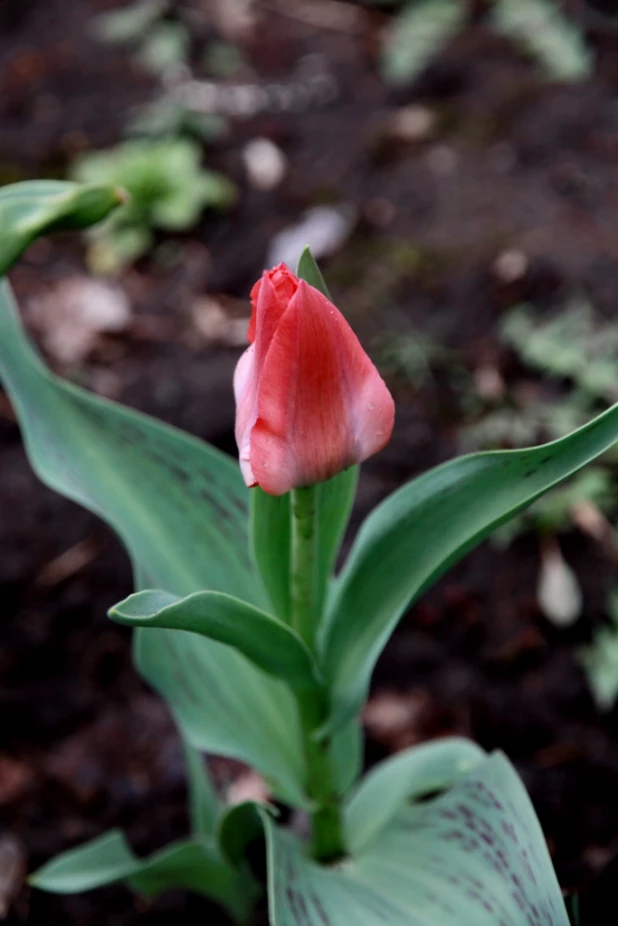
(304, 563)
(326, 822)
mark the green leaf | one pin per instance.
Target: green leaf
(334, 502)
(543, 30)
(407, 776)
(410, 774)
(473, 857)
(309, 271)
(32, 208)
(166, 46)
(106, 859)
(600, 658)
(270, 542)
(414, 536)
(131, 23)
(346, 755)
(417, 35)
(239, 826)
(265, 641)
(189, 865)
(180, 507)
(204, 805)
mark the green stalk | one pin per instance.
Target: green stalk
(326, 823)
(304, 563)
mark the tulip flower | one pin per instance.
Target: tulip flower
(309, 401)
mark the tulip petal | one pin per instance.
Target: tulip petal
(269, 299)
(245, 393)
(321, 404)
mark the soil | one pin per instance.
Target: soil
(512, 163)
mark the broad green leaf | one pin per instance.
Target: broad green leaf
(401, 779)
(239, 826)
(270, 542)
(190, 865)
(475, 856)
(32, 208)
(264, 640)
(346, 754)
(204, 805)
(417, 533)
(419, 33)
(180, 507)
(335, 499)
(546, 32)
(106, 859)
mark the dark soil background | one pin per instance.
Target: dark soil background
(512, 162)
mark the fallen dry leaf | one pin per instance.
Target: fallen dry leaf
(12, 871)
(214, 324)
(248, 786)
(394, 718)
(15, 778)
(72, 316)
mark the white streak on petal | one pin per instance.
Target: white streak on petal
(245, 393)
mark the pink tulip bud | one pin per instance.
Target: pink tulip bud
(309, 401)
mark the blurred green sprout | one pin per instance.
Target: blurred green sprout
(571, 344)
(159, 41)
(421, 29)
(600, 658)
(168, 190)
(579, 351)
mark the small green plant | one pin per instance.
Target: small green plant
(422, 28)
(409, 355)
(168, 190)
(577, 352)
(600, 659)
(573, 344)
(158, 37)
(167, 117)
(159, 41)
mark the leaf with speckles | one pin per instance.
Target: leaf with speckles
(402, 778)
(181, 509)
(475, 856)
(416, 534)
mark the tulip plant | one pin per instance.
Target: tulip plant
(261, 651)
